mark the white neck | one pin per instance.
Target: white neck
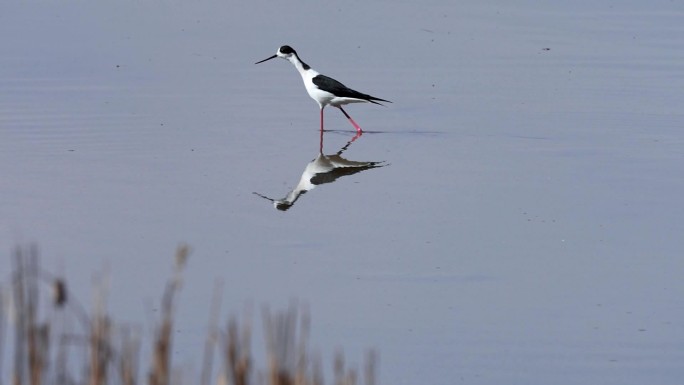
(298, 64)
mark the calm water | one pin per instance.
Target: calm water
(524, 225)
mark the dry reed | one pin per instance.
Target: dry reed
(110, 353)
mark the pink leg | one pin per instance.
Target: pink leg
(358, 129)
(321, 120)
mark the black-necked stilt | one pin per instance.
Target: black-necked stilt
(323, 169)
(324, 90)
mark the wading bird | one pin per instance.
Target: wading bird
(324, 90)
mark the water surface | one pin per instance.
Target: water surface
(525, 227)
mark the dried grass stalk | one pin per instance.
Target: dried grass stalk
(289, 361)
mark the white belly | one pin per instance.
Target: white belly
(323, 98)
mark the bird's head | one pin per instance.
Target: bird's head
(285, 52)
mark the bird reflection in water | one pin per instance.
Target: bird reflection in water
(323, 169)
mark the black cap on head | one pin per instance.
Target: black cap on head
(286, 49)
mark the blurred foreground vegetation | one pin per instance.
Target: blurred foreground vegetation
(36, 348)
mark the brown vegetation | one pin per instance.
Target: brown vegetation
(104, 352)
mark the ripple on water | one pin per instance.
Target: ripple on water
(47, 116)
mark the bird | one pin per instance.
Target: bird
(322, 170)
(325, 90)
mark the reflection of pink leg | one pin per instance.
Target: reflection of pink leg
(358, 129)
(358, 135)
(321, 119)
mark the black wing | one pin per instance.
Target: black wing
(333, 86)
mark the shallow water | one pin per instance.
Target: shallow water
(525, 227)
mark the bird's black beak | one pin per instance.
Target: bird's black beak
(256, 193)
(272, 57)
